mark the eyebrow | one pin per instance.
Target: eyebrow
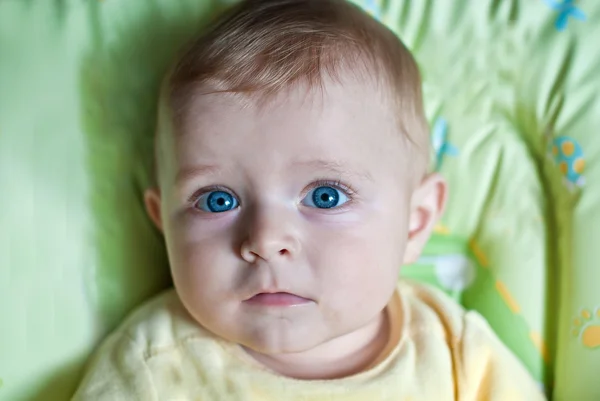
(318, 164)
(333, 166)
(187, 173)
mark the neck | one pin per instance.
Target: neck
(339, 357)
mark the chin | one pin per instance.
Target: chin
(270, 343)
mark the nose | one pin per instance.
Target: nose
(269, 236)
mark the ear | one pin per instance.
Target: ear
(427, 206)
(152, 200)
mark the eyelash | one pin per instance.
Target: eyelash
(338, 184)
(196, 195)
(348, 190)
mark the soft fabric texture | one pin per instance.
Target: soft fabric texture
(436, 351)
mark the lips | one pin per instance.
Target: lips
(281, 299)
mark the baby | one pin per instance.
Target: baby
(292, 184)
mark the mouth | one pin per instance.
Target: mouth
(279, 299)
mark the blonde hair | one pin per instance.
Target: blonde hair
(261, 47)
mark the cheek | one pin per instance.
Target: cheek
(201, 258)
(203, 269)
(358, 267)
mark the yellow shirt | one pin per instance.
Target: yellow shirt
(437, 352)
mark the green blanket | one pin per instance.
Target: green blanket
(511, 91)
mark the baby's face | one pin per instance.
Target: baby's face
(286, 224)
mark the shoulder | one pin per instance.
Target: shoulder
(462, 329)
(159, 323)
(119, 369)
(483, 366)
(427, 306)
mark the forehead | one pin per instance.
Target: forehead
(338, 123)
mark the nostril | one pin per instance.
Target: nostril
(283, 251)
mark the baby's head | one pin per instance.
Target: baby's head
(291, 174)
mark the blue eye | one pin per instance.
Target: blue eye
(217, 202)
(325, 197)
